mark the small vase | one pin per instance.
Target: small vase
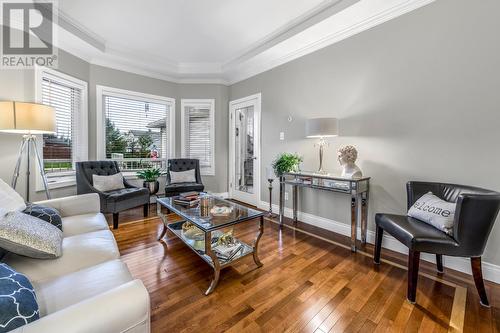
(153, 186)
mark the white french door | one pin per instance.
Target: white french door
(244, 149)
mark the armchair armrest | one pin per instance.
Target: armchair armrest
(122, 309)
(75, 205)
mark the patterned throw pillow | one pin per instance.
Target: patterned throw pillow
(18, 305)
(48, 214)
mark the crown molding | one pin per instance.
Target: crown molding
(321, 12)
(306, 34)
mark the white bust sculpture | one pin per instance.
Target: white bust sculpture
(347, 156)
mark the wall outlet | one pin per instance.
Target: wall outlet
(286, 196)
(282, 136)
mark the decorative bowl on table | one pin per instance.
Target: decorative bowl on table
(190, 231)
(219, 210)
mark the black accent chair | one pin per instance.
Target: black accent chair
(111, 201)
(183, 164)
(475, 215)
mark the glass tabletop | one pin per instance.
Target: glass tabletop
(208, 219)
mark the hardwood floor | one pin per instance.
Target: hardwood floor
(307, 284)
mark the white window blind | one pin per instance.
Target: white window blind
(198, 132)
(58, 148)
(135, 128)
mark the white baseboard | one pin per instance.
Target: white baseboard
(491, 272)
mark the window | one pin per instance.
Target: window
(197, 124)
(137, 129)
(68, 96)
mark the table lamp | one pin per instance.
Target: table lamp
(321, 128)
(28, 119)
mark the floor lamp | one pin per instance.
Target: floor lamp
(28, 119)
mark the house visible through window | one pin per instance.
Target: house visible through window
(137, 131)
(198, 132)
(69, 144)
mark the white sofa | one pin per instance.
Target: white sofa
(87, 289)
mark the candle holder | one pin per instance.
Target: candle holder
(270, 187)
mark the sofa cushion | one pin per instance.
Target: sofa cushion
(183, 187)
(18, 302)
(29, 236)
(126, 194)
(64, 291)
(80, 224)
(79, 252)
(46, 213)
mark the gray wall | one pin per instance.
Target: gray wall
(418, 96)
(19, 85)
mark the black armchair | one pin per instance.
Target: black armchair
(111, 201)
(183, 164)
(475, 215)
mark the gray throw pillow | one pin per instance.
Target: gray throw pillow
(434, 211)
(187, 176)
(29, 236)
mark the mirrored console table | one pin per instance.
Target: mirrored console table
(357, 188)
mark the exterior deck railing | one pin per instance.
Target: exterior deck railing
(125, 164)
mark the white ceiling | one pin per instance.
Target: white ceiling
(186, 31)
(220, 41)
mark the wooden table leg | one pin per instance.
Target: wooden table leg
(215, 261)
(256, 243)
(354, 220)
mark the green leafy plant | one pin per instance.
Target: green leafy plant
(286, 162)
(150, 174)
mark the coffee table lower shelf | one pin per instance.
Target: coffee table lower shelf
(198, 247)
(204, 250)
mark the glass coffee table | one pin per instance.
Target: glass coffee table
(210, 226)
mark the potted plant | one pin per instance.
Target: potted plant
(286, 162)
(150, 177)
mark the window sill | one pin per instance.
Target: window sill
(60, 183)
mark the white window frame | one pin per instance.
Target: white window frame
(80, 145)
(138, 96)
(210, 103)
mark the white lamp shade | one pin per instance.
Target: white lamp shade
(322, 127)
(27, 118)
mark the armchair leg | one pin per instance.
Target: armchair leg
(478, 280)
(439, 263)
(413, 264)
(379, 233)
(145, 210)
(115, 220)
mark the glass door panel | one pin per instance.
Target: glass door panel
(244, 149)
